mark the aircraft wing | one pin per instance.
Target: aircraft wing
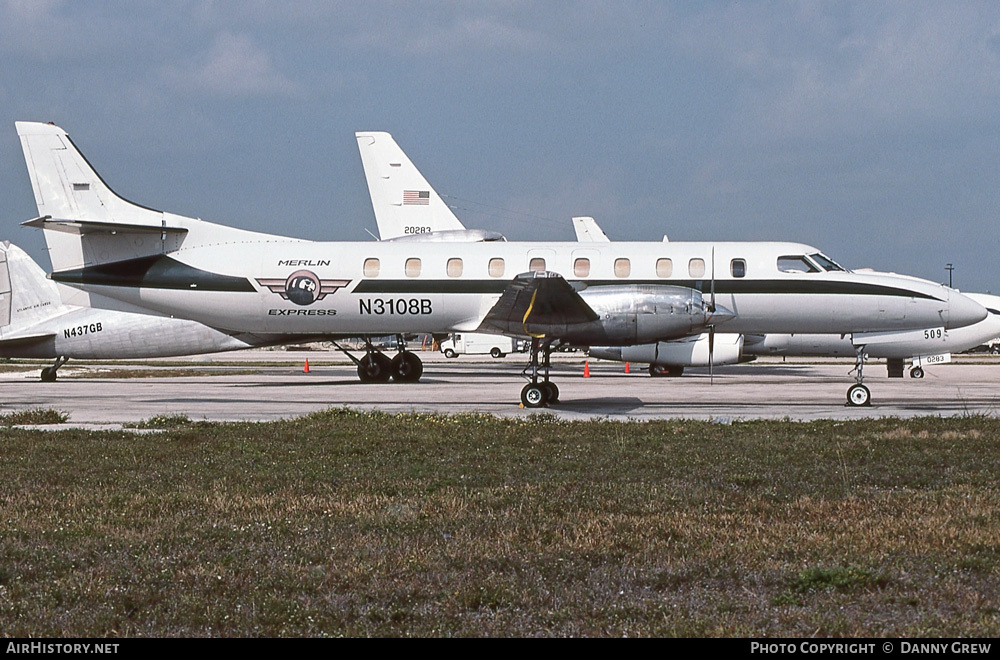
(537, 305)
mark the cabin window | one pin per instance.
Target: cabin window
(826, 262)
(696, 268)
(623, 268)
(796, 264)
(496, 267)
(664, 267)
(536, 265)
(581, 267)
(412, 267)
(454, 267)
(738, 267)
(371, 267)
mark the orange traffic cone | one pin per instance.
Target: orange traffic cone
(306, 369)
(626, 367)
(586, 369)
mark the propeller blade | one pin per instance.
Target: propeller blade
(711, 355)
(711, 304)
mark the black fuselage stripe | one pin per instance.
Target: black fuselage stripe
(154, 272)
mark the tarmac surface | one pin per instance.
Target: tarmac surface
(270, 385)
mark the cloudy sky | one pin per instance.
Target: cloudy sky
(869, 130)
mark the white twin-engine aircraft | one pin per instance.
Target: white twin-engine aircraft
(594, 294)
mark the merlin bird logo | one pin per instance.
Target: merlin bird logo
(302, 287)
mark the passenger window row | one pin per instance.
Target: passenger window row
(581, 267)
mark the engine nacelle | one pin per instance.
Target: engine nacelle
(641, 314)
(687, 352)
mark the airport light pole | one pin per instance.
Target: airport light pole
(949, 268)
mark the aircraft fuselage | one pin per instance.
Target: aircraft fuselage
(299, 287)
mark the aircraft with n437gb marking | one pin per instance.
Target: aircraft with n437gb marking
(591, 294)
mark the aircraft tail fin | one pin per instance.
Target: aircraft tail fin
(26, 295)
(67, 187)
(405, 203)
(588, 231)
(86, 223)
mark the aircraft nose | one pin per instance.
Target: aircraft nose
(963, 311)
(606, 352)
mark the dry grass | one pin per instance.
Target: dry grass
(344, 523)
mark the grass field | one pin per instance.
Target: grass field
(360, 524)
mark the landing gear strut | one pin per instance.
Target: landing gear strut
(539, 392)
(49, 373)
(858, 394)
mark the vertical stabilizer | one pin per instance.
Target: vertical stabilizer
(27, 296)
(67, 187)
(86, 223)
(405, 204)
(588, 231)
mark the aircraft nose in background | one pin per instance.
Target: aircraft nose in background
(963, 311)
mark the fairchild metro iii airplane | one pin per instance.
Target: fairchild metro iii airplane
(597, 294)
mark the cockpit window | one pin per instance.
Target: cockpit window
(826, 262)
(796, 264)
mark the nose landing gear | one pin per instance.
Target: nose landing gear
(858, 394)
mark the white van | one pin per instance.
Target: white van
(471, 343)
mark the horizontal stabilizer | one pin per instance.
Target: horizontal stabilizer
(83, 227)
(537, 304)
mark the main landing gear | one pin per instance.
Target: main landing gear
(540, 391)
(49, 373)
(377, 367)
(858, 394)
(657, 370)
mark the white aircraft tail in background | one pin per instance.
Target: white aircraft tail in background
(588, 231)
(405, 204)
